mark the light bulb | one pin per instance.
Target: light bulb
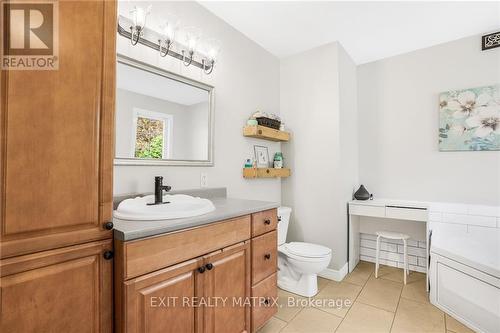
(139, 16)
(192, 36)
(169, 28)
(212, 49)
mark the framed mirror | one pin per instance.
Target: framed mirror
(161, 118)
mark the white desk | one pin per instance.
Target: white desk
(397, 211)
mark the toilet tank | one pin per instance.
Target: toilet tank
(283, 220)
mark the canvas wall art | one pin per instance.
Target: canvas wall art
(469, 120)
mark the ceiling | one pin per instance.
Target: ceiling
(368, 30)
(149, 84)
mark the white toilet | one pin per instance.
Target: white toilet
(298, 262)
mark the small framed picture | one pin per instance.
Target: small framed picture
(261, 156)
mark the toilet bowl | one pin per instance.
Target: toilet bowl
(299, 262)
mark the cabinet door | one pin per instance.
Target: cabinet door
(162, 301)
(63, 290)
(56, 137)
(227, 290)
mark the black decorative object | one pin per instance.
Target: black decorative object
(362, 194)
(268, 122)
(490, 41)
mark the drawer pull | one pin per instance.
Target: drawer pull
(267, 256)
(201, 269)
(266, 301)
(267, 221)
(209, 266)
(108, 225)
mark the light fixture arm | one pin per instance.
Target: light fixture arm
(135, 34)
(210, 68)
(187, 63)
(164, 46)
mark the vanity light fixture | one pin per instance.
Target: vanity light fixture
(188, 48)
(212, 51)
(139, 16)
(192, 36)
(169, 29)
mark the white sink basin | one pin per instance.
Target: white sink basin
(180, 206)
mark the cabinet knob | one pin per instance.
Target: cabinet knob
(108, 225)
(267, 221)
(201, 269)
(266, 301)
(108, 255)
(209, 266)
(267, 256)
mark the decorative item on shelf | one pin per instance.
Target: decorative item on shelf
(191, 51)
(282, 126)
(261, 156)
(362, 194)
(252, 122)
(469, 119)
(278, 160)
(268, 120)
(248, 163)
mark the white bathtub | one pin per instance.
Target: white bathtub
(464, 274)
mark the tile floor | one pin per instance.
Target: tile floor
(376, 305)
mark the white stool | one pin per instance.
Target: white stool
(397, 236)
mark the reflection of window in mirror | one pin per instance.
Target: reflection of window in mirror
(152, 134)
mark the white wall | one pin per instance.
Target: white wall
(317, 99)
(398, 125)
(245, 79)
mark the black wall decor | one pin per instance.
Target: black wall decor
(491, 41)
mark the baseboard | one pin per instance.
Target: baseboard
(335, 275)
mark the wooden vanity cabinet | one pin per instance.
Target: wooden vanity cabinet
(228, 284)
(156, 302)
(195, 280)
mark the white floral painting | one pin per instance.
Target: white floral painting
(469, 120)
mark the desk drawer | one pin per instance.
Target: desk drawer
(406, 213)
(264, 256)
(364, 210)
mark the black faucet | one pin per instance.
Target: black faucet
(159, 188)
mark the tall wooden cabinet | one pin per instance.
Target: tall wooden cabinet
(56, 162)
(57, 137)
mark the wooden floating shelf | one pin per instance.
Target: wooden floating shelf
(266, 173)
(266, 133)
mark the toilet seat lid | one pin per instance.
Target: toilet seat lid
(307, 250)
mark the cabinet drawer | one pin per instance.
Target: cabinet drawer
(364, 210)
(406, 213)
(150, 254)
(266, 290)
(264, 256)
(263, 222)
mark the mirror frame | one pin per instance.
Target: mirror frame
(211, 108)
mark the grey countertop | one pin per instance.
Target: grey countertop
(225, 208)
